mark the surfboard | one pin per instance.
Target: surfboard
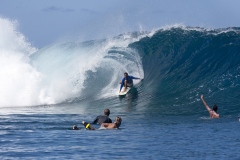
(124, 93)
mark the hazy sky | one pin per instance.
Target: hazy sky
(44, 22)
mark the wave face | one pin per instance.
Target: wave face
(62, 73)
(182, 63)
(178, 64)
(85, 71)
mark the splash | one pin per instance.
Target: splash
(91, 69)
(18, 79)
(65, 72)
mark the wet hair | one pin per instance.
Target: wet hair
(215, 107)
(126, 73)
(107, 112)
(118, 121)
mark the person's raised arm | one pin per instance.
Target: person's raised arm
(205, 104)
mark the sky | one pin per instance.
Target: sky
(45, 22)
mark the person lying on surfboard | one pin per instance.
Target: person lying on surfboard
(115, 124)
(127, 81)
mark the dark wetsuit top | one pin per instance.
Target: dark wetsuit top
(102, 119)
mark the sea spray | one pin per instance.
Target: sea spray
(18, 79)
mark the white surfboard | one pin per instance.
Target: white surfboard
(124, 93)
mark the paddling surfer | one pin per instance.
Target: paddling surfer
(115, 124)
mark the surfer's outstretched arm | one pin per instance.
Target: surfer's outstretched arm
(135, 77)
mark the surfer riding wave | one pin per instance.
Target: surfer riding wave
(127, 81)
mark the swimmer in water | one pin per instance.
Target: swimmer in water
(115, 124)
(213, 111)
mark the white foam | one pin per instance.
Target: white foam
(18, 80)
(57, 73)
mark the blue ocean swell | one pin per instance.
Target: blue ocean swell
(177, 64)
(163, 117)
(180, 64)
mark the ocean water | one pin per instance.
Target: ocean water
(45, 91)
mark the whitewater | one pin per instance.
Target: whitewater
(58, 73)
(45, 91)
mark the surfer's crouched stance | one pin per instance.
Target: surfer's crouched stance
(127, 81)
(115, 124)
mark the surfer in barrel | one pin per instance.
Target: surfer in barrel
(213, 111)
(127, 81)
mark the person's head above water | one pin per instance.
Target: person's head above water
(118, 121)
(75, 127)
(106, 112)
(125, 74)
(215, 107)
